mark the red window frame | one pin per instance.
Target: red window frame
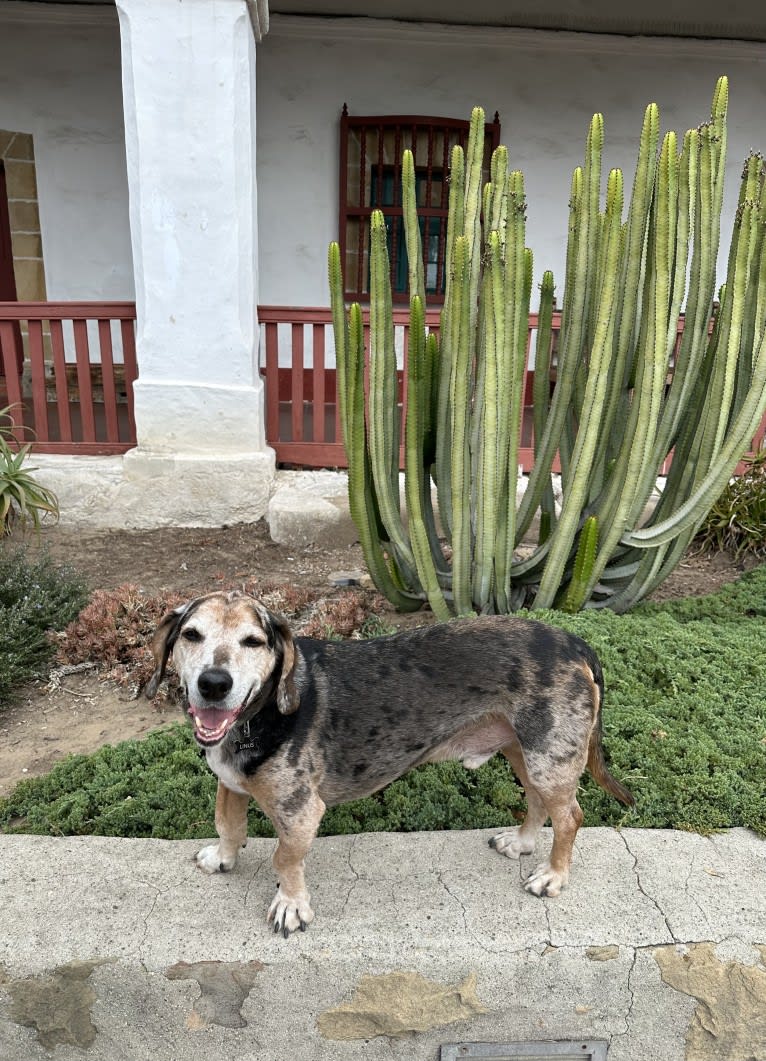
(371, 147)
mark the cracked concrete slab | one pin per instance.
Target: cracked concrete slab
(624, 912)
(438, 905)
(708, 887)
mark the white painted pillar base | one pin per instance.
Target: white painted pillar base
(199, 419)
(141, 491)
(189, 99)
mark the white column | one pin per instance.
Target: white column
(188, 74)
(189, 100)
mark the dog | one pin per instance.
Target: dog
(300, 724)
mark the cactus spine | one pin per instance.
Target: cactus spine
(623, 400)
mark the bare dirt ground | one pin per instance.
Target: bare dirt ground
(78, 713)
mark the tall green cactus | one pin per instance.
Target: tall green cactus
(623, 400)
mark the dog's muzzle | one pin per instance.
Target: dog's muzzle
(212, 721)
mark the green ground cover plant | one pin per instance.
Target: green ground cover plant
(36, 596)
(684, 728)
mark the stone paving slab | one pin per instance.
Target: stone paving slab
(174, 964)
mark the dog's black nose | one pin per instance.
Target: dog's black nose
(214, 683)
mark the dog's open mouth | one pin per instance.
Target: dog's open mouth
(211, 724)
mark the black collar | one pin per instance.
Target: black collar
(240, 734)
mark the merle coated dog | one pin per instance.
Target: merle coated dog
(300, 724)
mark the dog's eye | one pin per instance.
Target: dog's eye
(190, 634)
(251, 641)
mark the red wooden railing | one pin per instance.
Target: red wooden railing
(301, 409)
(67, 371)
(67, 374)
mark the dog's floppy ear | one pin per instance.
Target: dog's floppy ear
(280, 638)
(165, 636)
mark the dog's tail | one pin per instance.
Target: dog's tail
(596, 763)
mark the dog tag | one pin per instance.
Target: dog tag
(245, 745)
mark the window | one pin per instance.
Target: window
(371, 151)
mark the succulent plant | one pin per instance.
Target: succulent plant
(625, 400)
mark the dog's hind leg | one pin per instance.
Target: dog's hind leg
(521, 840)
(566, 818)
(544, 799)
(231, 826)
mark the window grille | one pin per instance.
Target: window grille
(371, 151)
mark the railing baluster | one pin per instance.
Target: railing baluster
(128, 335)
(9, 349)
(84, 385)
(340, 463)
(272, 382)
(296, 389)
(108, 381)
(318, 397)
(37, 367)
(62, 385)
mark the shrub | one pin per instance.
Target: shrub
(116, 627)
(737, 521)
(21, 496)
(36, 597)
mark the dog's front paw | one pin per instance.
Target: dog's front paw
(512, 844)
(212, 860)
(546, 881)
(288, 913)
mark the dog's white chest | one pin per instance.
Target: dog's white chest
(223, 770)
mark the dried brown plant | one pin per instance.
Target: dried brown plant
(115, 628)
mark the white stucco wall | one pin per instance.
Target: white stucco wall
(60, 81)
(546, 87)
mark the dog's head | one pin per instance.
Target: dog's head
(227, 648)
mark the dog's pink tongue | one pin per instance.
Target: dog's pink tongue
(210, 717)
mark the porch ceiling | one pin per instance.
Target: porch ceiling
(738, 19)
